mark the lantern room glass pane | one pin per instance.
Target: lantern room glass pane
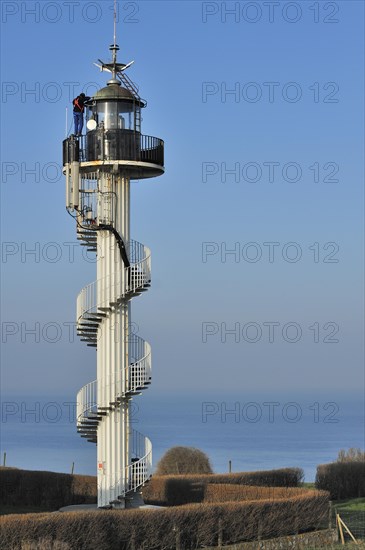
(113, 115)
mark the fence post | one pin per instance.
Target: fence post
(4, 462)
(220, 533)
(338, 522)
(177, 538)
(330, 515)
(133, 539)
(259, 530)
(230, 466)
(296, 522)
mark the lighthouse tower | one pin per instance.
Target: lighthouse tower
(100, 168)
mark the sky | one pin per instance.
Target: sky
(256, 227)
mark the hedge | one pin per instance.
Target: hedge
(176, 490)
(193, 525)
(230, 493)
(53, 490)
(47, 489)
(342, 479)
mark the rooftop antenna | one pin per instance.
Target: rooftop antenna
(114, 67)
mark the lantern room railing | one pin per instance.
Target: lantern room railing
(104, 145)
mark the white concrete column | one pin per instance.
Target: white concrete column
(112, 352)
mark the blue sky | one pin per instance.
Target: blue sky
(179, 58)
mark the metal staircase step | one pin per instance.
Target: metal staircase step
(86, 426)
(90, 316)
(87, 235)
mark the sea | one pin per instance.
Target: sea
(241, 432)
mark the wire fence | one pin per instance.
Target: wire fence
(355, 521)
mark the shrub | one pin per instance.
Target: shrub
(342, 479)
(184, 460)
(352, 455)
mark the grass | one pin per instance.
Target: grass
(350, 505)
(309, 485)
(347, 505)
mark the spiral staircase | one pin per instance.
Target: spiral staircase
(136, 376)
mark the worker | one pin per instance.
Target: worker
(79, 106)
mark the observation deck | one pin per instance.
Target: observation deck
(141, 155)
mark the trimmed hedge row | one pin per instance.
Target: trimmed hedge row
(342, 479)
(241, 493)
(50, 489)
(176, 490)
(54, 490)
(193, 526)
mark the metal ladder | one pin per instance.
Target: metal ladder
(133, 88)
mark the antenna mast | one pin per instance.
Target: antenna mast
(114, 47)
(115, 22)
(114, 67)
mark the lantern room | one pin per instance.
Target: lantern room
(115, 108)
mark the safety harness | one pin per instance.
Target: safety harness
(76, 102)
